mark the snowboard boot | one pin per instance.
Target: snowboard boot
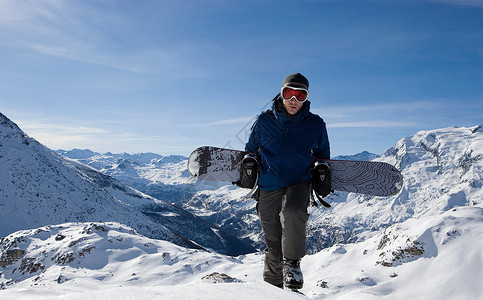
(292, 274)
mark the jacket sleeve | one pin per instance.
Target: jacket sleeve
(253, 140)
(322, 151)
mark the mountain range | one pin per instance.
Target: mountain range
(166, 178)
(82, 218)
(40, 187)
(435, 164)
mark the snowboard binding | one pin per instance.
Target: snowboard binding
(321, 182)
(248, 172)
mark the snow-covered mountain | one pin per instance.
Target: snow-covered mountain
(441, 169)
(447, 154)
(425, 243)
(167, 178)
(163, 177)
(38, 187)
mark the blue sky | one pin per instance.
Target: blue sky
(168, 76)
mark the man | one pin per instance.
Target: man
(287, 139)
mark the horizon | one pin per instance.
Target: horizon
(130, 153)
(167, 77)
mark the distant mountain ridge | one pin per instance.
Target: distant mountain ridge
(87, 156)
(167, 178)
(363, 156)
(221, 206)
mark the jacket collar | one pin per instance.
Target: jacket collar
(283, 116)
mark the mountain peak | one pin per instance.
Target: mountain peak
(7, 123)
(77, 153)
(9, 130)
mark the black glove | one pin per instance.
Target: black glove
(248, 172)
(321, 177)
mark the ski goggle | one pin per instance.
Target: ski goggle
(299, 94)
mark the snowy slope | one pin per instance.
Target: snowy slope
(435, 257)
(39, 187)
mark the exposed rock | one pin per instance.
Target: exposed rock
(219, 278)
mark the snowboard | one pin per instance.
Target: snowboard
(364, 177)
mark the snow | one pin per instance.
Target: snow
(185, 291)
(94, 260)
(110, 260)
(425, 243)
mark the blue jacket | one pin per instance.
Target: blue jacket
(287, 145)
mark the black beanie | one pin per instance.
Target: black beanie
(296, 80)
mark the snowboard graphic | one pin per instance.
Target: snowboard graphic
(363, 177)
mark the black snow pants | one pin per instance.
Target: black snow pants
(283, 217)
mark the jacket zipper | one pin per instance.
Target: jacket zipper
(283, 175)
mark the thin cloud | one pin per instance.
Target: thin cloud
(241, 120)
(478, 3)
(371, 124)
(395, 107)
(63, 30)
(380, 115)
(33, 126)
(59, 136)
